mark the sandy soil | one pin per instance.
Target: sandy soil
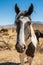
(8, 53)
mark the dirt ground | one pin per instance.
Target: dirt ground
(8, 53)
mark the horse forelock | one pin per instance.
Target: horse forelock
(22, 13)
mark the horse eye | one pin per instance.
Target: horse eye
(28, 22)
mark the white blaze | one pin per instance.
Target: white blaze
(33, 36)
(22, 35)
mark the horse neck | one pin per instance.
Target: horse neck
(32, 31)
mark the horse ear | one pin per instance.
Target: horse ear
(17, 10)
(30, 10)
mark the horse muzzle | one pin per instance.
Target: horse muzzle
(20, 47)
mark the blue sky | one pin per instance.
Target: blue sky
(7, 13)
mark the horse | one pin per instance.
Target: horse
(3, 30)
(38, 34)
(24, 30)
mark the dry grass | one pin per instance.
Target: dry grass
(11, 56)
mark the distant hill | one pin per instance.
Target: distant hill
(7, 26)
(37, 22)
(35, 25)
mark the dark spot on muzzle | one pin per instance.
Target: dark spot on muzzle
(20, 48)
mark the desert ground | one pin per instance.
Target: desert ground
(8, 53)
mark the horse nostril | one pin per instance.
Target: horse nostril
(24, 46)
(16, 46)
